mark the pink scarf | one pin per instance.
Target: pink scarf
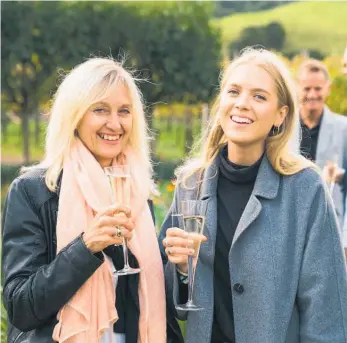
(91, 311)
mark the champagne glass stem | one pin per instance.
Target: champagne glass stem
(191, 274)
(125, 254)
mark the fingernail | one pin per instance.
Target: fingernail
(191, 251)
(185, 234)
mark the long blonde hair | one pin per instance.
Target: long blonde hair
(86, 84)
(282, 149)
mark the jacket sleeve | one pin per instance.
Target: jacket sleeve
(344, 180)
(322, 288)
(175, 291)
(34, 289)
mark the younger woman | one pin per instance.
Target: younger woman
(273, 268)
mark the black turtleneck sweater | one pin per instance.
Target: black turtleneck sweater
(235, 185)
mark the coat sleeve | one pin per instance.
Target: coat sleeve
(175, 291)
(322, 288)
(34, 289)
(344, 180)
(344, 163)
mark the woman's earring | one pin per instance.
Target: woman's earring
(75, 133)
(275, 130)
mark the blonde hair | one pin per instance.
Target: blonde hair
(313, 66)
(282, 149)
(86, 84)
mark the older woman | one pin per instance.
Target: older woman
(273, 268)
(59, 222)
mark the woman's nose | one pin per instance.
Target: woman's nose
(242, 102)
(113, 122)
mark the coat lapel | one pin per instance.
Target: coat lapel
(266, 186)
(249, 215)
(210, 180)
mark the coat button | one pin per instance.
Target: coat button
(238, 288)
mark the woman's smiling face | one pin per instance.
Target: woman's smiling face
(106, 126)
(249, 106)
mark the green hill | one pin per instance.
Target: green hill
(315, 25)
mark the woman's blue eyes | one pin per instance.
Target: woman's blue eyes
(233, 91)
(236, 92)
(261, 97)
(101, 110)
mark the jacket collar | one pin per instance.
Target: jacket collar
(268, 180)
(266, 184)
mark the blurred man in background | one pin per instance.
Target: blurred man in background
(324, 134)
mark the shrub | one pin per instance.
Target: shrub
(271, 36)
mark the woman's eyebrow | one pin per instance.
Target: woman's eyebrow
(100, 103)
(252, 89)
(106, 104)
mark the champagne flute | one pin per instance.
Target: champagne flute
(331, 167)
(332, 170)
(120, 181)
(194, 212)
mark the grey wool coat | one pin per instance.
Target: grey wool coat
(286, 253)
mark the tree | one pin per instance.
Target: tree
(275, 35)
(179, 54)
(271, 36)
(20, 72)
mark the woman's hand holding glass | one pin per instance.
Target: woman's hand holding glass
(179, 245)
(109, 226)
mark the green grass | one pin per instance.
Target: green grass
(162, 202)
(12, 143)
(170, 138)
(309, 25)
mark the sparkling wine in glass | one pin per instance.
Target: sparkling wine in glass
(194, 212)
(120, 182)
(331, 170)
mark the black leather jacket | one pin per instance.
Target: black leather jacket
(37, 281)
